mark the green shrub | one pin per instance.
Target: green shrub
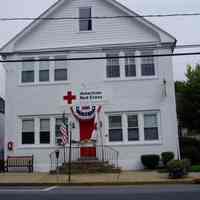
(166, 157)
(195, 168)
(150, 161)
(178, 168)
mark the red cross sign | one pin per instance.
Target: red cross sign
(69, 98)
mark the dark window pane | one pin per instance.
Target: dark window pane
(45, 137)
(28, 138)
(151, 133)
(27, 76)
(85, 12)
(85, 25)
(132, 121)
(60, 74)
(44, 75)
(115, 135)
(2, 105)
(113, 71)
(148, 69)
(133, 134)
(113, 67)
(85, 22)
(115, 122)
(130, 70)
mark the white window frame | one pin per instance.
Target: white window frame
(92, 21)
(49, 65)
(155, 59)
(47, 118)
(36, 132)
(37, 71)
(21, 70)
(61, 81)
(131, 52)
(141, 140)
(113, 115)
(112, 53)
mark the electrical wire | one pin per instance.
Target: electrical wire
(99, 17)
(101, 57)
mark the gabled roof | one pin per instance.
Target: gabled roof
(115, 3)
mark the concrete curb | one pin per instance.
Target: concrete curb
(104, 183)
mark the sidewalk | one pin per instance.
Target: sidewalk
(124, 178)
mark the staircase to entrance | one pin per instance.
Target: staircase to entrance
(105, 160)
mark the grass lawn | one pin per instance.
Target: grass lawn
(195, 168)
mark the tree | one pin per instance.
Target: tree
(188, 99)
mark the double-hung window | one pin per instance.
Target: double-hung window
(27, 75)
(44, 131)
(28, 133)
(115, 128)
(113, 66)
(130, 65)
(85, 21)
(133, 128)
(44, 70)
(151, 127)
(148, 64)
(61, 72)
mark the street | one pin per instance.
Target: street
(164, 192)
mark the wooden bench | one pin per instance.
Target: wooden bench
(19, 162)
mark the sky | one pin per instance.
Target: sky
(185, 29)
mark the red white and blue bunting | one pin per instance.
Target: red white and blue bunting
(84, 113)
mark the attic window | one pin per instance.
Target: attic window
(85, 21)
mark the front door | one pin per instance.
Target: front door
(86, 129)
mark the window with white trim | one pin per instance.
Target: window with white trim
(85, 21)
(44, 131)
(115, 128)
(130, 65)
(133, 128)
(151, 127)
(44, 70)
(113, 66)
(28, 133)
(27, 74)
(61, 72)
(148, 64)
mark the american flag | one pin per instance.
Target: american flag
(64, 133)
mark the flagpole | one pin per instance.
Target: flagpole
(64, 147)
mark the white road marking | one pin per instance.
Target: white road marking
(49, 189)
(29, 190)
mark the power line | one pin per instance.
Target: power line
(185, 46)
(101, 58)
(100, 17)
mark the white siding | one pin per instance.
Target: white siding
(65, 33)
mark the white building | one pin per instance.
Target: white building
(136, 94)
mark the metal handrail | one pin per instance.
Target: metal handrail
(108, 156)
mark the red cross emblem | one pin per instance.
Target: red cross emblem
(69, 98)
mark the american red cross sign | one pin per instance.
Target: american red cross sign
(69, 98)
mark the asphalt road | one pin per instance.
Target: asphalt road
(168, 192)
